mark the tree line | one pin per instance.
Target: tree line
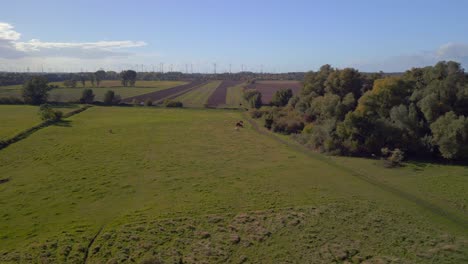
(422, 113)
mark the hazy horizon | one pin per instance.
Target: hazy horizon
(265, 36)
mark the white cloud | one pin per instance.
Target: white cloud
(7, 32)
(12, 48)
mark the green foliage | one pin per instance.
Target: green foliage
(253, 98)
(357, 114)
(170, 103)
(393, 158)
(36, 90)
(87, 97)
(47, 113)
(450, 135)
(99, 76)
(283, 121)
(256, 113)
(128, 78)
(281, 97)
(148, 102)
(110, 98)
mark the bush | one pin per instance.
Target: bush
(87, 96)
(148, 102)
(110, 98)
(47, 113)
(253, 98)
(281, 97)
(169, 103)
(10, 100)
(255, 113)
(393, 158)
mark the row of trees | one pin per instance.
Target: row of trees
(424, 112)
(36, 91)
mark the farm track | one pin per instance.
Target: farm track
(463, 223)
(167, 93)
(219, 95)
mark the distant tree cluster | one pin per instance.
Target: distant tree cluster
(423, 113)
(128, 78)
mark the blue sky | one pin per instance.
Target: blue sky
(280, 35)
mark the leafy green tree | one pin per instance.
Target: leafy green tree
(128, 77)
(92, 79)
(87, 96)
(83, 79)
(99, 76)
(281, 97)
(36, 90)
(253, 98)
(109, 97)
(450, 135)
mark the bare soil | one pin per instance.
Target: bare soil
(269, 88)
(167, 93)
(219, 95)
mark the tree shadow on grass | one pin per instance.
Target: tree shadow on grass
(63, 123)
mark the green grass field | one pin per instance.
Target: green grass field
(198, 97)
(64, 94)
(133, 184)
(234, 96)
(17, 118)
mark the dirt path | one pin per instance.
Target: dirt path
(219, 95)
(463, 223)
(167, 93)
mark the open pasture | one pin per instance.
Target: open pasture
(17, 118)
(134, 184)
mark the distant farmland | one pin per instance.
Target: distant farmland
(64, 94)
(268, 88)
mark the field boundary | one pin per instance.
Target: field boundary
(182, 92)
(463, 223)
(26, 133)
(157, 96)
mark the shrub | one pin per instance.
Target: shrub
(281, 97)
(110, 98)
(47, 113)
(169, 103)
(10, 100)
(148, 102)
(393, 158)
(87, 96)
(253, 98)
(255, 113)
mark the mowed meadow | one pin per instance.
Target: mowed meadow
(149, 184)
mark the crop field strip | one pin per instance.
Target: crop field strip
(268, 88)
(218, 97)
(199, 96)
(167, 93)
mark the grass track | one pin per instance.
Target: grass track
(198, 97)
